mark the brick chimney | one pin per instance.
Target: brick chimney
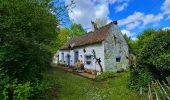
(94, 26)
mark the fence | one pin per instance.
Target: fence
(156, 91)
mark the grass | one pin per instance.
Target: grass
(67, 86)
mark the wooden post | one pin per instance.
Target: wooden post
(141, 93)
(98, 61)
(166, 95)
(160, 90)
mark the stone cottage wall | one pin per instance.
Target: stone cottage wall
(115, 46)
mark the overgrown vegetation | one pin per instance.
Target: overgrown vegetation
(67, 86)
(73, 31)
(152, 50)
(27, 40)
(105, 75)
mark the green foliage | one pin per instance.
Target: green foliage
(152, 50)
(73, 31)
(22, 91)
(105, 75)
(62, 37)
(3, 81)
(154, 54)
(76, 30)
(28, 32)
(28, 38)
(74, 87)
(140, 78)
(131, 44)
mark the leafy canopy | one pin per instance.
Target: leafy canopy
(76, 30)
(28, 31)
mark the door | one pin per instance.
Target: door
(76, 55)
(68, 60)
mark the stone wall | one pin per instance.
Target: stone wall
(115, 46)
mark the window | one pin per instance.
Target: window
(118, 59)
(88, 59)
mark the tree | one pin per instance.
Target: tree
(152, 50)
(28, 37)
(76, 30)
(28, 31)
(98, 60)
(63, 37)
(155, 53)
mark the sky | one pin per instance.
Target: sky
(133, 16)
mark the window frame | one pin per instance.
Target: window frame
(118, 58)
(91, 59)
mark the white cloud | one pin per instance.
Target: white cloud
(87, 10)
(121, 7)
(128, 33)
(131, 18)
(166, 7)
(150, 18)
(134, 38)
(132, 25)
(101, 11)
(83, 12)
(139, 19)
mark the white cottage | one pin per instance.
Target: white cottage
(108, 44)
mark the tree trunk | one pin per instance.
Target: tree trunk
(98, 61)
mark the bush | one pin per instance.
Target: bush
(140, 79)
(105, 75)
(19, 91)
(155, 54)
(152, 51)
(24, 91)
(26, 41)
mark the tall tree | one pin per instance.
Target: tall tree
(152, 50)
(63, 36)
(76, 30)
(28, 31)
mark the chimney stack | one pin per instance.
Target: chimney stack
(94, 26)
(115, 22)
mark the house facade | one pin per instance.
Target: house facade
(108, 44)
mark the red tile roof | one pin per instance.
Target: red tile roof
(89, 38)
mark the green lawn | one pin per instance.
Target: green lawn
(67, 86)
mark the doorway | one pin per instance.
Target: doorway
(68, 60)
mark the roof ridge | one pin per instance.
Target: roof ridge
(90, 37)
(93, 31)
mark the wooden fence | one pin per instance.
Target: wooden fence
(156, 91)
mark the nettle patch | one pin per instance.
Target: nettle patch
(105, 75)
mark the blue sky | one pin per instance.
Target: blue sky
(133, 16)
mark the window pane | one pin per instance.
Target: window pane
(88, 60)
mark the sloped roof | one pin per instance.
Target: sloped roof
(89, 38)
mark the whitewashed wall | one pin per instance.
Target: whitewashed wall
(99, 49)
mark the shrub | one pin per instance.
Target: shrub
(26, 41)
(140, 79)
(104, 76)
(3, 81)
(152, 51)
(19, 91)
